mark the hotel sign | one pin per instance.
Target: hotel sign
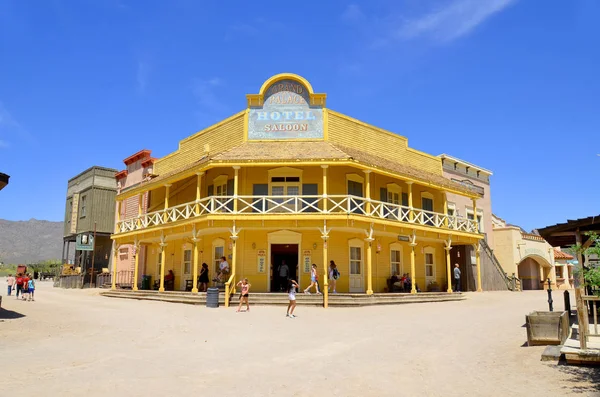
(262, 260)
(285, 114)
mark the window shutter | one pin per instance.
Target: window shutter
(210, 190)
(405, 199)
(259, 189)
(230, 193)
(310, 189)
(383, 194)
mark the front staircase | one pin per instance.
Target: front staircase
(281, 299)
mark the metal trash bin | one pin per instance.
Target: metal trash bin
(146, 282)
(212, 297)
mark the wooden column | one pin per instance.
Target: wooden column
(411, 214)
(582, 313)
(475, 216)
(369, 268)
(478, 262)
(236, 169)
(368, 193)
(198, 191)
(114, 267)
(118, 216)
(163, 254)
(140, 206)
(413, 289)
(445, 195)
(449, 268)
(324, 187)
(325, 281)
(136, 247)
(167, 188)
(195, 272)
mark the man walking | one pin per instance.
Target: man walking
(456, 278)
(11, 283)
(284, 272)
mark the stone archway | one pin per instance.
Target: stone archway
(533, 271)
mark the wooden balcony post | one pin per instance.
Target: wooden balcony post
(118, 216)
(236, 169)
(324, 187)
(411, 213)
(475, 215)
(140, 202)
(368, 194)
(167, 188)
(198, 190)
(445, 195)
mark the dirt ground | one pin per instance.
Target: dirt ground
(77, 343)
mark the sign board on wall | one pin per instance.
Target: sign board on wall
(262, 260)
(306, 260)
(84, 242)
(285, 114)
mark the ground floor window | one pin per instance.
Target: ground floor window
(396, 261)
(429, 264)
(355, 260)
(187, 261)
(218, 253)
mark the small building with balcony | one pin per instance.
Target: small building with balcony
(288, 179)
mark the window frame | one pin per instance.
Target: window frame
(430, 251)
(396, 247)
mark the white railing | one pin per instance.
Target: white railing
(265, 205)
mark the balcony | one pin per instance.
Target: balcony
(263, 206)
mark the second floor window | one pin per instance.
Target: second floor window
(82, 205)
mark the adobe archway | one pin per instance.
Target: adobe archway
(533, 271)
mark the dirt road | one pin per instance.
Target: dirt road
(77, 343)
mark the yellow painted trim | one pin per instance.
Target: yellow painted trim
(285, 76)
(325, 124)
(246, 116)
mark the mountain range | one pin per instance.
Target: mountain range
(30, 241)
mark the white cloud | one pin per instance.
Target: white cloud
(352, 13)
(456, 19)
(143, 73)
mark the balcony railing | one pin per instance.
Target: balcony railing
(293, 205)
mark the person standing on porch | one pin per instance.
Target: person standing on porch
(313, 280)
(334, 274)
(456, 278)
(284, 273)
(11, 282)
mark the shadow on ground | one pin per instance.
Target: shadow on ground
(582, 378)
(9, 314)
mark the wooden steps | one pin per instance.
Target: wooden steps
(281, 299)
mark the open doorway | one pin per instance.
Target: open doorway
(283, 254)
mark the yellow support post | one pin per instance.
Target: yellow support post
(413, 289)
(236, 169)
(325, 283)
(446, 210)
(118, 216)
(198, 190)
(114, 267)
(167, 188)
(163, 254)
(139, 220)
(324, 187)
(478, 262)
(368, 191)
(449, 268)
(411, 214)
(137, 247)
(195, 272)
(369, 269)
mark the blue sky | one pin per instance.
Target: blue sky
(510, 85)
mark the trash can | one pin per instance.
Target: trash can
(212, 297)
(146, 282)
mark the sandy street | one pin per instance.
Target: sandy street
(77, 343)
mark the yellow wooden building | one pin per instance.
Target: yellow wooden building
(289, 179)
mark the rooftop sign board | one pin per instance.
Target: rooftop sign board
(285, 113)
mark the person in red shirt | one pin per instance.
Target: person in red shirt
(19, 282)
(24, 289)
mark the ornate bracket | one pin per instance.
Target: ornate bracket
(324, 231)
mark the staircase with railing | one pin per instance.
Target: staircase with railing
(512, 283)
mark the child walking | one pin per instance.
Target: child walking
(31, 289)
(292, 285)
(314, 276)
(244, 294)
